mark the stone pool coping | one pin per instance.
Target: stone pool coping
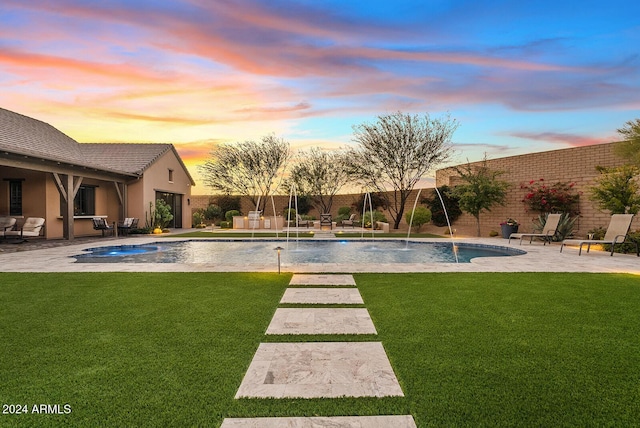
(538, 258)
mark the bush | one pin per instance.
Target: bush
(343, 213)
(212, 212)
(421, 216)
(289, 214)
(616, 190)
(198, 218)
(377, 216)
(230, 214)
(438, 216)
(226, 224)
(553, 198)
(493, 233)
(226, 203)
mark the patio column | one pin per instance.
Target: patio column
(68, 190)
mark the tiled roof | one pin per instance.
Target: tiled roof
(27, 136)
(24, 135)
(131, 158)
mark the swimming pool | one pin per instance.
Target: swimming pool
(261, 252)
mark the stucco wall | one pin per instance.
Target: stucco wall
(156, 178)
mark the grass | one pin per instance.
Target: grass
(165, 349)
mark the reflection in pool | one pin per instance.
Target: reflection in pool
(261, 252)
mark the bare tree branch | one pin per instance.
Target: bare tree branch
(396, 152)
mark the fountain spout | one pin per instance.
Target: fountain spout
(446, 215)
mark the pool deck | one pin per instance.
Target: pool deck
(50, 256)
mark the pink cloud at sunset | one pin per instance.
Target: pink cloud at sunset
(196, 73)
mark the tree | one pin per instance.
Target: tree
(481, 191)
(630, 148)
(249, 168)
(398, 150)
(320, 175)
(617, 190)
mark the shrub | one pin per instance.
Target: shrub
(343, 213)
(289, 214)
(493, 233)
(198, 218)
(421, 216)
(159, 217)
(553, 198)
(377, 216)
(616, 190)
(226, 224)
(230, 214)
(212, 212)
(438, 216)
(226, 203)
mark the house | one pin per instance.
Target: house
(45, 173)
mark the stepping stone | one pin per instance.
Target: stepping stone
(299, 279)
(322, 422)
(321, 321)
(316, 370)
(349, 296)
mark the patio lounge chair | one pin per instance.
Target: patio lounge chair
(100, 224)
(6, 224)
(616, 234)
(548, 231)
(31, 228)
(350, 221)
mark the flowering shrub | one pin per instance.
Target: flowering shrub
(553, 198)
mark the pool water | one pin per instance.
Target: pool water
(261, 252)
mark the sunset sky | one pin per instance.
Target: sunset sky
(518, 76)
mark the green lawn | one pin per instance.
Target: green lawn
(170, 349)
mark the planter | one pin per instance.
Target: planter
(507, 230)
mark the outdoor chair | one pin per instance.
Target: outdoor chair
(616, 234)
(100, 224)
(350, 221)
(6, 224)
(31, 228)
(300, 222)
(127, 225)
(548, 231)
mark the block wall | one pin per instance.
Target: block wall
(577, 165)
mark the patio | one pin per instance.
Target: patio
(55, 256)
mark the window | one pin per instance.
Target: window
(15, 197)
(171, 176)
(85, 201)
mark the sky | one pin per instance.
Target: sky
(519, 77)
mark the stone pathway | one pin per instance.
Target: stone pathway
(324, 280)
(320, 422)
(321, 321)
(320, 369)
(322, 296)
